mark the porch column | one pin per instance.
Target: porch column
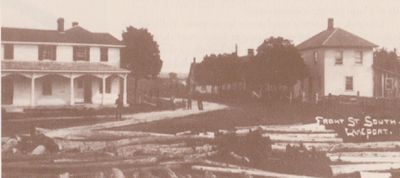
(125, 94)
(33, 90)
(103, 79)
(72, 93)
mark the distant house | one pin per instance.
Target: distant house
(339, 63)
(387, 81)
(60, 67)
(194, 85)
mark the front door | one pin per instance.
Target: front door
(310, 88)
(87, 91)
(7, 91)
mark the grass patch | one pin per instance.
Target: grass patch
(11, 126)
(250, 113)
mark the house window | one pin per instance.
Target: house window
(389, 84)
(46, 88)
(315, 57)
(349, 83)
(108, 85)
(47, 52)
(8, 51)
(81, 53)
(104, 54)
(358, 57)
(339, 57)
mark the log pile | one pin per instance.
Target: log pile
(134, 154)
(143, 154)
(377, 159)
(260, 151)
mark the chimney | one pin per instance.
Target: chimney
(75, 24)
(330, 24)
(250, 52)
(60, 24)
(194, 60)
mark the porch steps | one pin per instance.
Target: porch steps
(13, 110)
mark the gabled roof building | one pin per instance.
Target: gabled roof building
(60, 67)
(339, 63)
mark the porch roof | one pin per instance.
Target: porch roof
(396, 73)
(51, 66)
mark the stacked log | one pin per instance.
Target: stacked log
(143, 154)
(147, 153)
(369, 158)
(75, 165)
(365, 157)
(243, 171)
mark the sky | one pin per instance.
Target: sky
(185, 29)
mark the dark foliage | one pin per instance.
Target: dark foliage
(218, 69)
(386, 60)
(141, 54)
(277, 63)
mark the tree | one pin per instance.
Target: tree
(277, 63)
(141, 54)
(217, 70)
(386, 60)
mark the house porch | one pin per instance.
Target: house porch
(54, 89)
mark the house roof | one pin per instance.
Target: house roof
(335, 37)
(73, 35)
(51, 66)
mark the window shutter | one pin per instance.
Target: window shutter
(54, 53)
(40, 51)
(11, 51)
(8, 51)
(88, 53)
(74, 53)
(104, 54)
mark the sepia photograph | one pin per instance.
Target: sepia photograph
(200, 88)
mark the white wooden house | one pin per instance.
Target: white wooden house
(339, 63)
(60, 67)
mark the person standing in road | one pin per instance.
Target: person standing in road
(200, 101)
(189, 102)
(119, 107)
